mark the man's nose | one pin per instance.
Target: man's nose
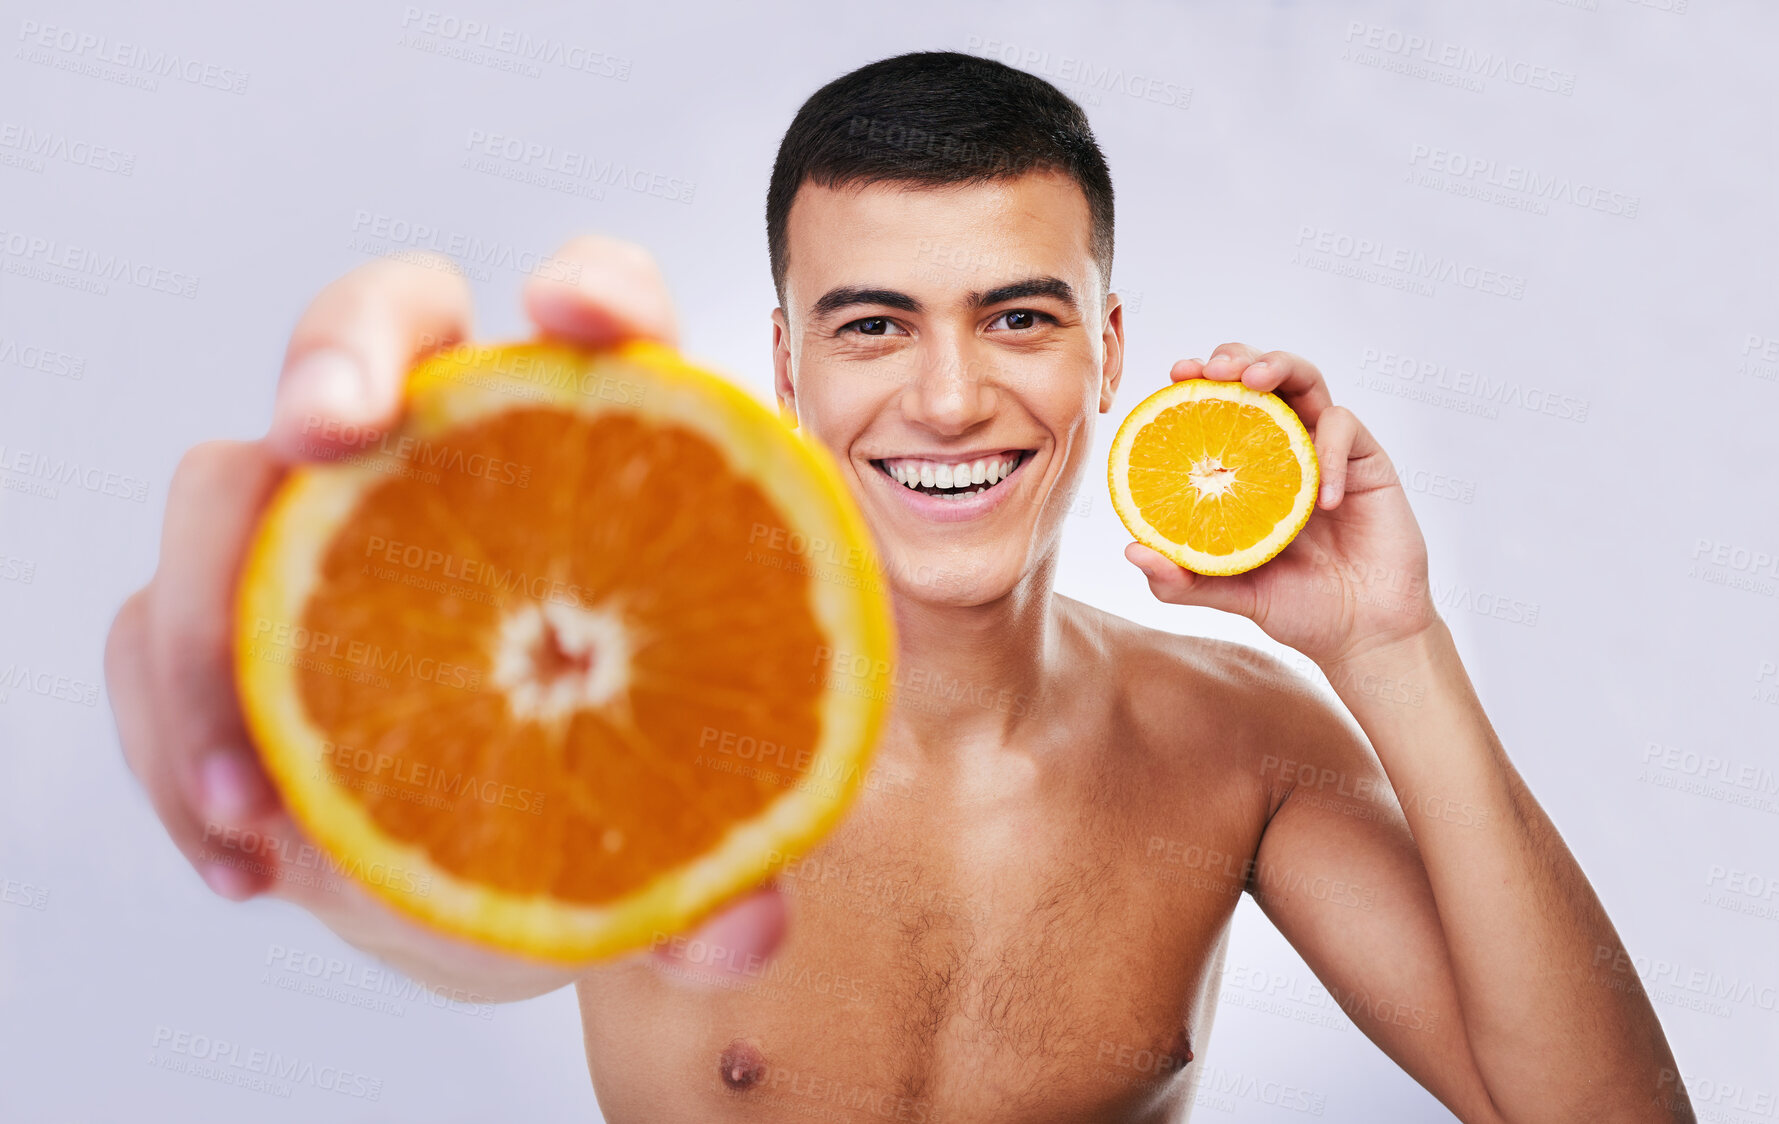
(953, 391)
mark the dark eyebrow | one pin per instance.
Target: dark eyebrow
(1030, 287)
(846, 296)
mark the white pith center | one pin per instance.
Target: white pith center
(553, 659)
(1210, 477)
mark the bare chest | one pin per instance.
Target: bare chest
(1014, 961)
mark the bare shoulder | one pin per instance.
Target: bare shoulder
(1169, 670)
(1223, 701)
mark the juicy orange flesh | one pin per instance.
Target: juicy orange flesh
(719, 716)
(1219, 442)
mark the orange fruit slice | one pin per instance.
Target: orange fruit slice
(1217, 477)
(547, 666)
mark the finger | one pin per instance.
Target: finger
(126, 680)
(350, 353)
(281, 856)
(1334, 440)
(1177, 585)
(1187, 369)
(290, 866)
(1293, 378)
(1229, 361)
(607, 291)
(739, 940)
(130, 685)
(212, 504)
(736, 940)
(1349, 458)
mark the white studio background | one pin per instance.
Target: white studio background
(1592, 459)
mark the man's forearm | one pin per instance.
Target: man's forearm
(1556, 1016)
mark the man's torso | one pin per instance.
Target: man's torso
(1037, 937)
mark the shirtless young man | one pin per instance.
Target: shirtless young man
(1032, 926)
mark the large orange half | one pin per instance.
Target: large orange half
(550, 666)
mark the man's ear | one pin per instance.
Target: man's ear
(782, 384)
(1113, 338)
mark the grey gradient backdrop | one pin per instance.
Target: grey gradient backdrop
(1592, 459)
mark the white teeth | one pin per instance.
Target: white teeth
(984, 472)
(961, 495)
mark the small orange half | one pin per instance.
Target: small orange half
(1217, 477)
(548, 667)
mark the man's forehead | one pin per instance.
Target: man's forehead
(972, 236)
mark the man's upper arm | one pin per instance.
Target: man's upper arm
(1339, 874)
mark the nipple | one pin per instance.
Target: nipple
(742, 1065)
(1180, 1052)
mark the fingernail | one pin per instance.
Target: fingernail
(229, 882)
(1258, 368)
(321, 385)
(229, 788)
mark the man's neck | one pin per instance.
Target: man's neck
(973, 676)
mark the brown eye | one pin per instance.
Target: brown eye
(880, 327)
(1022, 319)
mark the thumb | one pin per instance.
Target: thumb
(1176, 585)
(601, 291)
(734, 943)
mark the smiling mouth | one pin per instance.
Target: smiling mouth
(956, 479)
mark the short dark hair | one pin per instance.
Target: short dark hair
(936, 118)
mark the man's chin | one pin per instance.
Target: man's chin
(945, 584)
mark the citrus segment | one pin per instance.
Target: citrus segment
(1213, 475)
(501, 659)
